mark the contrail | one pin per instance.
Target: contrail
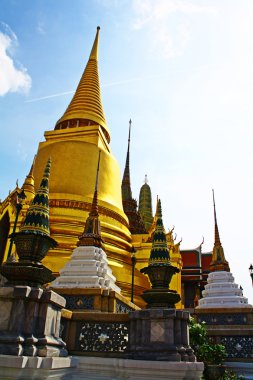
(49, 96)
(72, 92)
(193, 69)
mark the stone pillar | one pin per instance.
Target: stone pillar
(159, 334)
(30, 322)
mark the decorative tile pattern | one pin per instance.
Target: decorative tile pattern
(223, 319)
(79, 302)
(102, 336)
(238, 346)
(121, 307)
(157, 331)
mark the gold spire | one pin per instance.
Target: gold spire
(91, 235)
(217, 241)
(152, 228)
(94, 50)
(218, 262)
(86, 107)
(94, 206)
(126, 185)
(28, 185)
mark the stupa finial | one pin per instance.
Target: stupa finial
(136, 224)
(91, 235)
(94, 206)
(85, 108)
(126, 185)
(217, 241)
(28, 185)
(218, 262)
(94, 50)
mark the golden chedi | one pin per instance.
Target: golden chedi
(74, 145)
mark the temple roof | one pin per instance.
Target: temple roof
(86, 105)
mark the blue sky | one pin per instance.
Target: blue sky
(182, 70)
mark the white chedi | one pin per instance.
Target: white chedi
(222, 292)
(88, 268)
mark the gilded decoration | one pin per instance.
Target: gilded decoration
(64, 203)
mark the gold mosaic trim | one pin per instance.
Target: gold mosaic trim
(154, 261)
(34, 227)
(87, 207)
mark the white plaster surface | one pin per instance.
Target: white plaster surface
(96, 368)
(36, 368)
(88, 268)
(37, 362)
(222, 292)
(126, 369)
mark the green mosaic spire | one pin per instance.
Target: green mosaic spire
(37, 217)
(145, 205)
(159, 254)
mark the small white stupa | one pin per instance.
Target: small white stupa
(88, 266)
(221, 290)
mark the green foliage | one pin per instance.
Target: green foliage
(211, 353)
(198, 333)
(230, 375)
(207, 352)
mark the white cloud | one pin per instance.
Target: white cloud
(156, 15)
(12, 78)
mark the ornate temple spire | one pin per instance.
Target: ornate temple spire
(33, 241)
(136, 225)
(152, 228)
(218, 262)
(160, 252)
(37, 217)
(126, 185)
(86, 107)
(91, 235)
(217, 241)
(145, 204)
(160, 270)
(28, 185)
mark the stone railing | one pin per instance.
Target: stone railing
(238, 347)
(95, 300)
(95, 334)
(231, 327)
